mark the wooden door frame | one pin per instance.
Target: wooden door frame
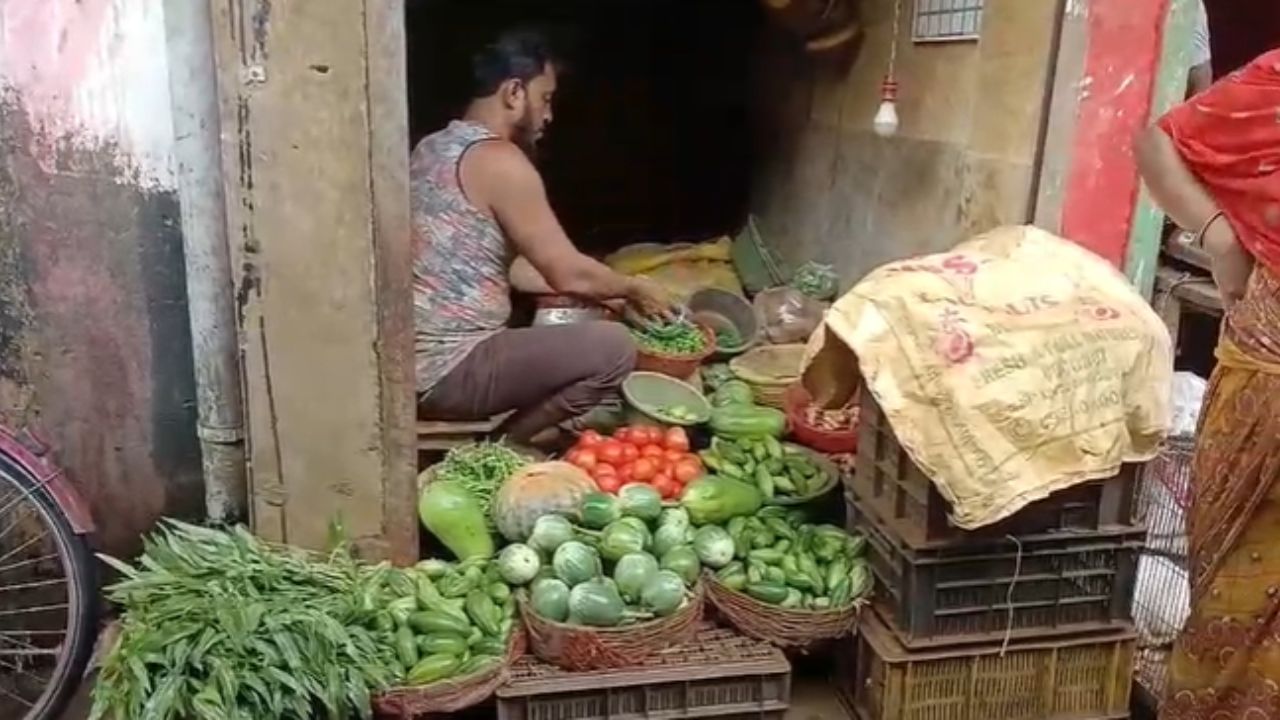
(314, 117)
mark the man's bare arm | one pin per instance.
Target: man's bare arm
(498, 177)
(526, 279)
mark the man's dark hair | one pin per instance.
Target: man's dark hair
(520, 54)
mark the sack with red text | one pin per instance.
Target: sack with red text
(1013, 366)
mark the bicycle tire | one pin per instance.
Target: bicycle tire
(79, 566)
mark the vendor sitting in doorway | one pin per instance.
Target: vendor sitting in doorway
(481, 221)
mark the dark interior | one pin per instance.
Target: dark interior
(652, 139)
(1240, 30)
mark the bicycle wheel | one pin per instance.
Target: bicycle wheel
(46, 599)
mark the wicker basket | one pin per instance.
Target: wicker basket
(679, 367)
(770, 370)
(578, 648)
(453, 694)
(796, 630)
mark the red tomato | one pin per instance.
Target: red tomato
(687, 471)
(623, 435)
(666, 486)
(652, 451)
(676, 439)
(674, 456)
(589, 439)
(630, 452)
(583, 458)
(644, 470)
(656, 435)
(626, 473)
(610, 451)
(609, 483)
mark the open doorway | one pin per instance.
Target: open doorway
(652, 139)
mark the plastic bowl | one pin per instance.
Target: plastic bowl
(720, 309)
(649, 393)
(796, 400)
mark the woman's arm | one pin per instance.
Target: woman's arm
(1176, 190)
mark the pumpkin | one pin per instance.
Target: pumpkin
(548, 488)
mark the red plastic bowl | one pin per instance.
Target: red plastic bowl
(811, 436)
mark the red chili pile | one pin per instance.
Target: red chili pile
(639, 453)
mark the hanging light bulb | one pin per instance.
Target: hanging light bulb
(886, 121)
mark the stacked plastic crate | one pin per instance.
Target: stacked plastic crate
(1027, 618)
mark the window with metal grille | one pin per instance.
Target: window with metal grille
(946, 20)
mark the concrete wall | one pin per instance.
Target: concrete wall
(961, 162)
(94, 335)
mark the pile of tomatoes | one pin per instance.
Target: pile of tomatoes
(638, 453)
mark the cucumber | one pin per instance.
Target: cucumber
(432, 623)
(771, 593)
(442, 645)
(433, 668)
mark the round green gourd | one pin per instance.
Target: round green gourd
(596, 603)
(575, 563)
(664, 593)
(683, 561)
(550, 599)
(633, 572)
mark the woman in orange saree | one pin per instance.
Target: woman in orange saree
(1212, 165)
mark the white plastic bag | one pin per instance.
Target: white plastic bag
(788, 315)
(1188, 398)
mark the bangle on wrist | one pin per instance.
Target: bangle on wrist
(1198, 241)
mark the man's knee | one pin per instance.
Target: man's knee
(611, 346)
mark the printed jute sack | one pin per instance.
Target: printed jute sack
(1016, 365)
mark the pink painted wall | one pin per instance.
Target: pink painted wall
(94, 339)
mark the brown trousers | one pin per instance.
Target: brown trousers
(546, 374)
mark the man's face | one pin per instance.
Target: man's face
(535, 116)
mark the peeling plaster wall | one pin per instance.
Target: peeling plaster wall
(962, 161)
(94, 335)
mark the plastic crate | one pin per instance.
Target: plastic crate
(719, 674)
(1032, 586)
(1080, 677)
(907, 499)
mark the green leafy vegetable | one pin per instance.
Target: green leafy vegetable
(220, 625)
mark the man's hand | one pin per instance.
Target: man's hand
(649, 300)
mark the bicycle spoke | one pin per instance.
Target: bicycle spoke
(24, 546)
(32, 585)
(29, 652)
(18, 668)
(8, 637)
(42, 620)
(33, 610)
(22, 700)
(26, 563)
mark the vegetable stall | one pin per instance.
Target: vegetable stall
(633, 543)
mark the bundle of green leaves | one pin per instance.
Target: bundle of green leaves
(221, 625)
